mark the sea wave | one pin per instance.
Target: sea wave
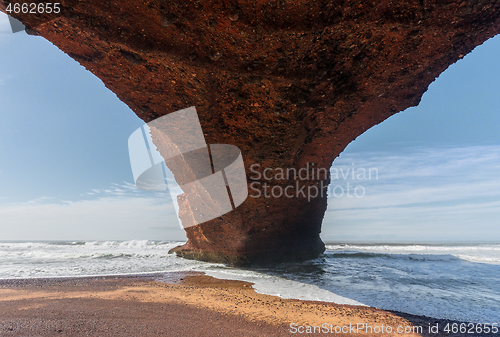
(414, 257)
(479, 253)
(416, 247)
(445, 281)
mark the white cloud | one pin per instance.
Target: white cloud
(113, 216)
(421, 195)
(424, 194)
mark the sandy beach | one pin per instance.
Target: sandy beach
(188, 304)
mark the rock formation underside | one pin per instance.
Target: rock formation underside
(288, 82)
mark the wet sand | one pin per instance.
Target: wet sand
(187, 304)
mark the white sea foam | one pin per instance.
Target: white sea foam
(28, 260)
(284, 288)
(444, 281)
(478, 253)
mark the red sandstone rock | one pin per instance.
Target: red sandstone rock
(288, 82)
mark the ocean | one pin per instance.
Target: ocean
(452, 281)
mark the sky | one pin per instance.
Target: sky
(64, 168)
(65, 172)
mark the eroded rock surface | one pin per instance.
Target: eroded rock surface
(288, 82)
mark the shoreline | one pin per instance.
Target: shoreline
(176, 301)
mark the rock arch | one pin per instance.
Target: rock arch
(289, 83)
